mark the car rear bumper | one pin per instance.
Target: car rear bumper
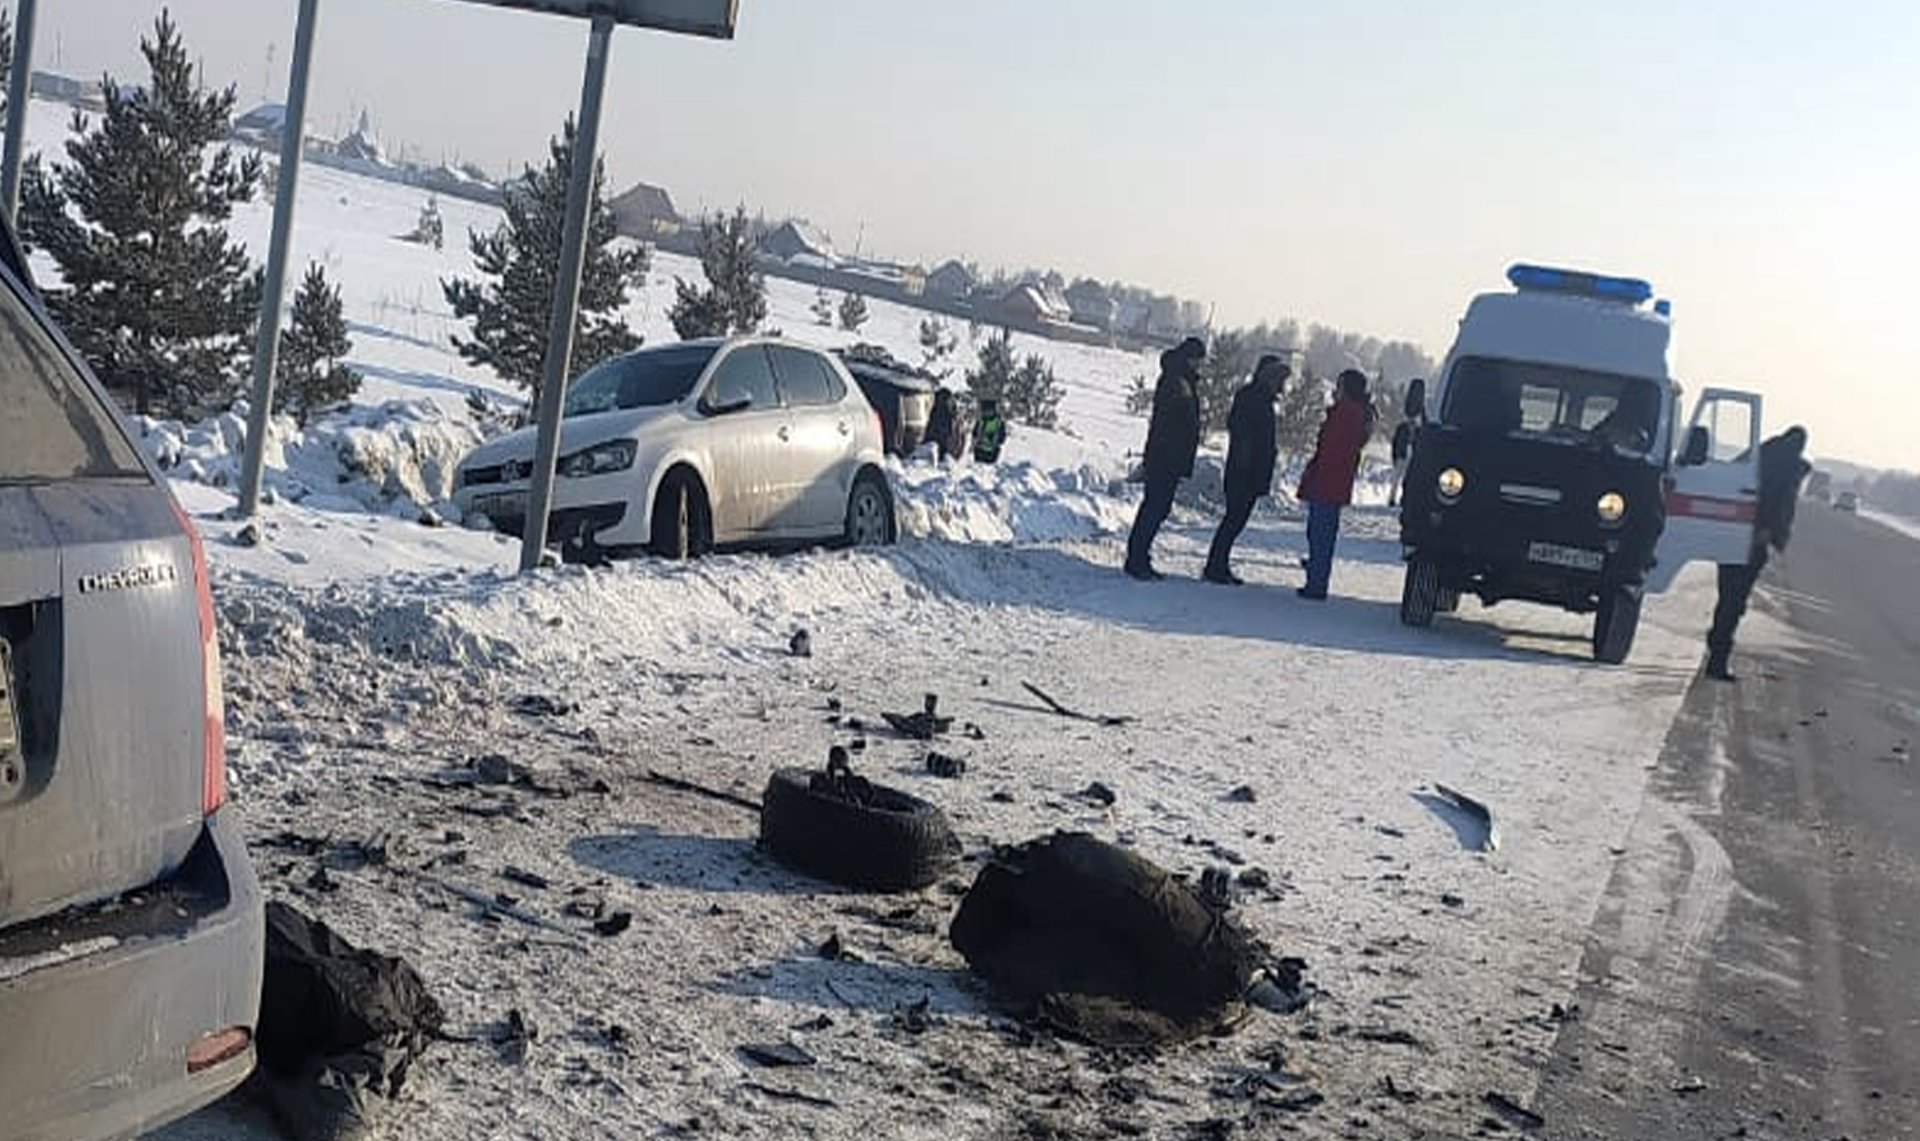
(99, 1005)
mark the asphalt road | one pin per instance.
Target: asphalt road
(1754, 971)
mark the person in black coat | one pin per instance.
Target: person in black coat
(1252, 450)
(943, 426)
(1783, 466)
(1173, 440)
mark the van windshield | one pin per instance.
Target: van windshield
(1526, 399)
(651, 378)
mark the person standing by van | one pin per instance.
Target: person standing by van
(1173, 442)
(1783, 466)
(1252, 450)
(989, 432)
(943, 426)
(1327, 485)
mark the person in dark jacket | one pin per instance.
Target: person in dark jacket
(1173, 440)
(1251, 452)
(1783, 466)
(989, 432)
(1327, 485)
(943, 426)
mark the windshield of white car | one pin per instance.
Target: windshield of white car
(651, 378)
(1527, 399)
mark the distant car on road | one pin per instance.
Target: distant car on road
(685, 448)
(131, 924)
(1847, 501)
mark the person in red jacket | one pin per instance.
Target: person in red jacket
(1327, 484)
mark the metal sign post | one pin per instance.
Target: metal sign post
(566, 294)
(266, 346)
(19, 92)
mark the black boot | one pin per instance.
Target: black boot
(1717, 667)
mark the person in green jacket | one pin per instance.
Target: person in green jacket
(989, 432)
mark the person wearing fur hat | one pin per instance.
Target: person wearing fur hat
(1173, 441)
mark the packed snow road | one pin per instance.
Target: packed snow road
(361, 709)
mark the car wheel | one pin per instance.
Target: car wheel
(682, 519)
(869, 513)
(1420, 594)
(1447, 601)
(1615, 625)
(843, 829)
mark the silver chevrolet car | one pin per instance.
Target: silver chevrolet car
(130, 919)
(684, 448)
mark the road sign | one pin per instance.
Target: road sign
(712, 18)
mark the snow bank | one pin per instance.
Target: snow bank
(396, 457)
(1018, 502)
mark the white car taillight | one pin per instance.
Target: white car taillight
(213, 761)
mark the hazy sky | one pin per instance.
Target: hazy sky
(1368, 164)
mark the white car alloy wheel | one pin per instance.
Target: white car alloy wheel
(867, 510)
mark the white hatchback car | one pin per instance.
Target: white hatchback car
(684, 448)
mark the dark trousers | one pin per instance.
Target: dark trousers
(1323, 531)
(1736, 587)
(1154, 509)
(1239, 510)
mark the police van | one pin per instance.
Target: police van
(1554, 467)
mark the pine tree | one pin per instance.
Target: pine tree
(1027, 390)
(1140, 397)
(735, 299)
(853, 312)
(990, 378)
(519, 261)
(1033, 395)
(156, 297)
(310, 377)
(937, 343)
(822, 308)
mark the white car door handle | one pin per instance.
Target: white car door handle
(785, 433)
(844, 430)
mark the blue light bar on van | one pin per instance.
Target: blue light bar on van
(1546, 279)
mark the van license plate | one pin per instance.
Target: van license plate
(1574, 558)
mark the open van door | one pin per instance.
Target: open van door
(1714, 494)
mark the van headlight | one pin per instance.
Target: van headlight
(600, 459)
(1451, 483)
(1611, 507)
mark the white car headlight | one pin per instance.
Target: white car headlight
(1611, 507)
(600, 459)
(1451, 483)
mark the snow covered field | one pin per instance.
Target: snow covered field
(372, 660)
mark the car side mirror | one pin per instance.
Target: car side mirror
(726, 407)
(1697, 449)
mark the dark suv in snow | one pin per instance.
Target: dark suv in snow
(130, 919)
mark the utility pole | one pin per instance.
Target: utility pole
(266, 347)
(19, 91)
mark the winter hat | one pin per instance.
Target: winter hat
(1192, 349)
(1271, 364)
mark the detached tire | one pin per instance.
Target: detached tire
(1420, 594)
(894, 842)
(1614, 627)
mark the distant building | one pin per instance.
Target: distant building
(262, 126)
(794, 239)
(645, 212)
(1092, 304)
(951, 280)
(66, 89)
(1027, 306)
(363, 145)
